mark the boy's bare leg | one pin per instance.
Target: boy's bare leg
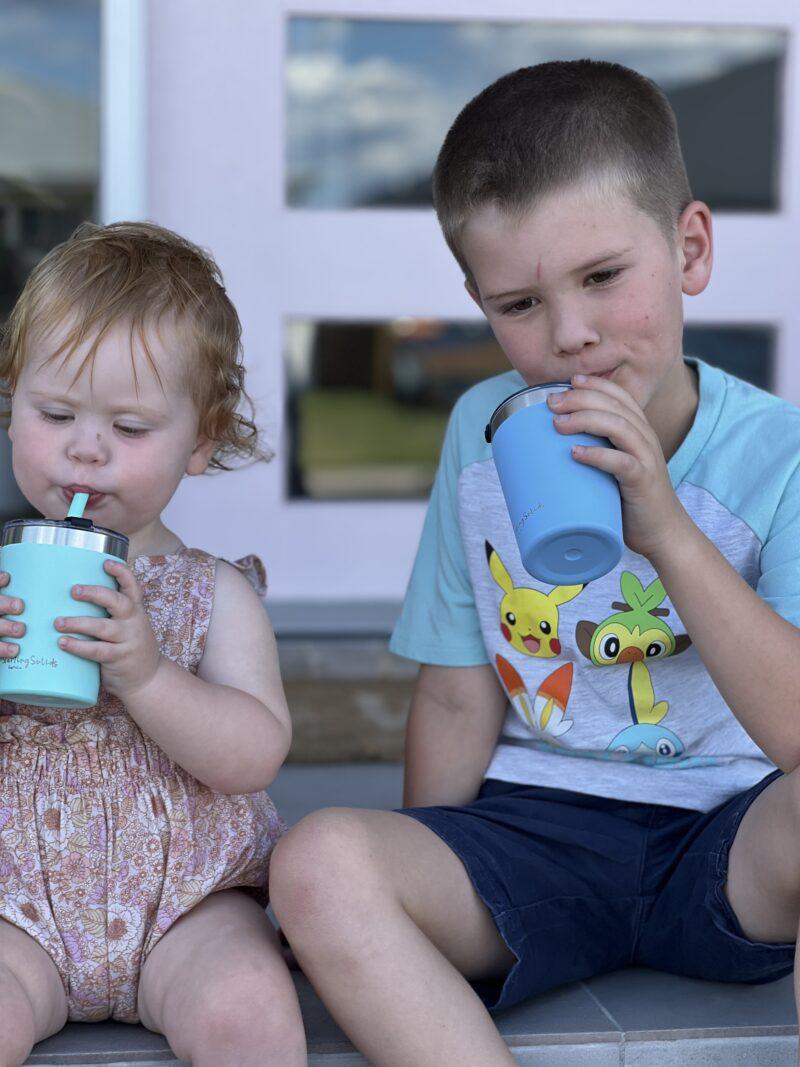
(763, 885)
(384, 921)
(33, 1004)
(216, 986)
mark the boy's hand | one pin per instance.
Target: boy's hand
(125, 645)
(9, 605)
(651, 512)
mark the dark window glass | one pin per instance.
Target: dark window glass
(49, 115)
(369, 101)
(368, 402)
(49, 148)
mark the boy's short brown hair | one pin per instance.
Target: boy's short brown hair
(139, 274)
(542, 128)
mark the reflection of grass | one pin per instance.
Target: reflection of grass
(347, 427)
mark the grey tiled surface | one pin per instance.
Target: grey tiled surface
(634, 1018)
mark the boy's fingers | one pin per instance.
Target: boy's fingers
(610, 389)
(12, 628)
(8, 651)
(5, 578)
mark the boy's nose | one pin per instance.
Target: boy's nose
(571, 333)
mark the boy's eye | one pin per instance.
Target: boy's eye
(600, 277)
(520, 306)
(132, 431)
(55, 416)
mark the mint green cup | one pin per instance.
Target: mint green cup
(45, 559)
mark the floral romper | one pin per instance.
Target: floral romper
(104, 841)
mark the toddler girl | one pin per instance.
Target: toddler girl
(135, 835)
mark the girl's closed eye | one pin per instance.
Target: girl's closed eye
(131, 431)
(56, 417)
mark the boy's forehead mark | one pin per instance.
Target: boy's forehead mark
(596, 261)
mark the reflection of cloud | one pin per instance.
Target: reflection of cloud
(51, 43)
(384, 117)
(671, 55)
(362, 127)
(48, 135)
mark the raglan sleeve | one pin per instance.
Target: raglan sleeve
(779, 581)
(439, 621)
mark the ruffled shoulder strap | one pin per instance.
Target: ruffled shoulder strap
(254, 571)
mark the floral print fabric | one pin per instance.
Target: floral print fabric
(105, 841)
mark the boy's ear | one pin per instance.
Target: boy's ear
(201, 457)
(473, 292)
(696, 247)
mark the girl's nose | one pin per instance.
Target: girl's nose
(87, 446)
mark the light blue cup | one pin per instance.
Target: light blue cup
(567, 517)
(45, 559)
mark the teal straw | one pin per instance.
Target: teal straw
(77, 506)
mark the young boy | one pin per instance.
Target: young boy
(623, 806)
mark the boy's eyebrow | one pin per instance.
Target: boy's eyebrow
(594, 262)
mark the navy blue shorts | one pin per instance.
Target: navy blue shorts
(579, 885)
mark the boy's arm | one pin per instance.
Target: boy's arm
(751, 653)
(455, 718)
(229, 725)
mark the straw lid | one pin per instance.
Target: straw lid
(71, 532)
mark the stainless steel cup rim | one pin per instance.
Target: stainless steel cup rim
(66, 533)
(523, 398)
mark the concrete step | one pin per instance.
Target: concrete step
(634, 1018)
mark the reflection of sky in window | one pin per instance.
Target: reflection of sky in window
(370, 101)
(53, 44)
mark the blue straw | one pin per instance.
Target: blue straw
(78, 504)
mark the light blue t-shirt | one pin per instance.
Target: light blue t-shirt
(607, 694)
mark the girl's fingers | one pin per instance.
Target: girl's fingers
(101, 629)
(5, 578)
(116, 603)
(8, 651)
(98, 651)
(10, 605)
(125, 578)
(11, 628)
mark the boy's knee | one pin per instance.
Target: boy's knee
(318, 865)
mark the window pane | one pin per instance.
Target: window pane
(369, 101)
(49, 148)
(49, 115)
(368, 401)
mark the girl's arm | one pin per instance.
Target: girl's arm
(228, 726)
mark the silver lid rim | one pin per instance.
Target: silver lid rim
(523, 398)
(53, 532)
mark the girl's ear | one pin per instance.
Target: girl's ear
(201, 457)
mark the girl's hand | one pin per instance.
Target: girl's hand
(9, 605)
(651, 512)
(125, 645)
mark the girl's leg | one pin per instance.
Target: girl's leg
(216, 986)
(384, 921)
(33, 1004)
